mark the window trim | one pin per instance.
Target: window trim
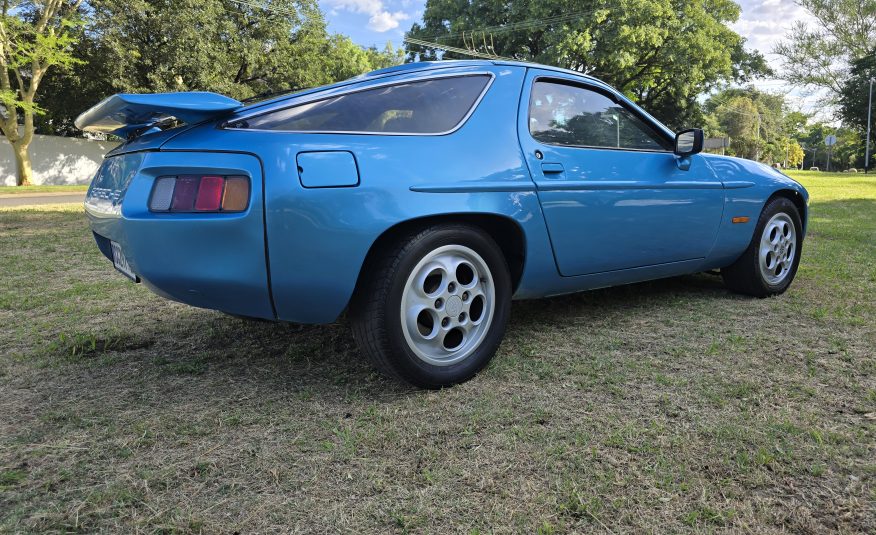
(601, 91)
(490, 78)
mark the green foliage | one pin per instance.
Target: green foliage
(754, 121)
(761, 128)
(795, 154)
(818, 55)
(854, 95)
(662, 53)
(35, 37)
(28, 40)
(238, 49)
(388, 57)
(848, 151)
(242, 50)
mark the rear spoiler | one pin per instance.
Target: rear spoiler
(128, 115)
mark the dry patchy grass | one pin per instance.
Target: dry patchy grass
(668, 406)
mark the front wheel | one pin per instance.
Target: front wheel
(770, 263)
(433, 308)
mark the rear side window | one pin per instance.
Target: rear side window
(561, 114)
(432, 106)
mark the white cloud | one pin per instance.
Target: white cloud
(380, 18)
(765, 23)
(385, 21)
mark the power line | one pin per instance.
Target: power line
(454, 49)
(481, 34)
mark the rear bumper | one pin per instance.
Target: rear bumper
(215, 261)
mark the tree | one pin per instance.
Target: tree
(813, 144)
(64, 93)
(236, 48)
(796, 124)
(35, 36)
(661, 53)
(848, 151)
(241, 49)
(794, 154)
(819, 56)
(755, 121)
(388, 57)
(854, 93)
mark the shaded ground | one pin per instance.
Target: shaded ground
(659, 407)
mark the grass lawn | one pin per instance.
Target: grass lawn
(667, 406)
(67, 188)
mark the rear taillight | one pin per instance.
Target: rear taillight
(208, 193)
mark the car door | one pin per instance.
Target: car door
(612, 191)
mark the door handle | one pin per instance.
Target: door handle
(552, 170)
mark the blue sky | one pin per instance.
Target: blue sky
(763, 23)
(372, 22)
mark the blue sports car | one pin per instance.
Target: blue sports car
(423, 198)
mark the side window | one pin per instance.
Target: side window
(424, 107)
(562, 114)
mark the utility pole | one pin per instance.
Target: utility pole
(617, 125)
(829, 150)
(757, 143)
(869, 122)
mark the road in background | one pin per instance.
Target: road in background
(28, 199)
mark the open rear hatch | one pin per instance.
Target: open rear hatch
(138, 120)
(129, 116)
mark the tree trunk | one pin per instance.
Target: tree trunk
(23, 171)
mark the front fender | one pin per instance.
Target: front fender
(748, 186)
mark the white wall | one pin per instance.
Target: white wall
(56, 160)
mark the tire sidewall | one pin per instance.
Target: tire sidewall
(407, 363)
(776, 206)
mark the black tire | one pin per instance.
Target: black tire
(376, 307)
(745, 276)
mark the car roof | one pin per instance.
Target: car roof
(407, 68)
(427, 65)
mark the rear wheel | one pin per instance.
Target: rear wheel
(770, 263)
(434, 306)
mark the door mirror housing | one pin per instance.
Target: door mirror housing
(689, 142)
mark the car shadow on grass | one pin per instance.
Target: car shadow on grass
(195, 346)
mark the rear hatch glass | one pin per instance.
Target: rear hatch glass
(107, 190)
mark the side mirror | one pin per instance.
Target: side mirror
(689, 142)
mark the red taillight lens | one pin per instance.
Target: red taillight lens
(195, 193)
(210, 194)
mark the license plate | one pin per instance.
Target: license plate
(121, 263)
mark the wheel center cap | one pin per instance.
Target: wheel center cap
(454, 305)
